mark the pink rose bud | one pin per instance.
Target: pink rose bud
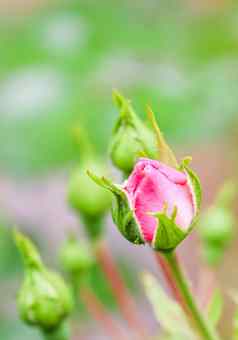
(157, 204)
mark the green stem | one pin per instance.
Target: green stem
(60, 333)
(206, 331)
(94, 227)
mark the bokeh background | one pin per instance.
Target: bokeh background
(59, 61)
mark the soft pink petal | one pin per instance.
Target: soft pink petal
(151, 186)
(173, 175)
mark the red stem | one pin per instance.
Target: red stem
(96, 308)
(124, 299)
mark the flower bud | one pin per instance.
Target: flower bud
(131, 137)
(83, 195)
(216, 226)
(87, 199)
(75, 256)
(44, 300)
(157, 204)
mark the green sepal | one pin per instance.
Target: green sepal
(122, 214)
(164, 153)
(168, 234)
(30, 255)
(195, 182)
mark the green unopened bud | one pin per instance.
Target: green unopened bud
(131, 137)
(85, 196)
(76, 256)
(217, 225)
(44, 300)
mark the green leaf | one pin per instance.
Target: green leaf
(168, 312)
(215, 307)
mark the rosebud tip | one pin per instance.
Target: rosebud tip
(118, 98)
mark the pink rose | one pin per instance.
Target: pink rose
(154, 186)
(156, 205)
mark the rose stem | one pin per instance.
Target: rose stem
(207, 332)
(96, 308)
(169, 278)
(123, 297)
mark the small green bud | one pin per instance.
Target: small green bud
(131, 137)
(216, 226)
(212, 253)
(89, 200)
(44, 300)
(86, 197)
(76, 256)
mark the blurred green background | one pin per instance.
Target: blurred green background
(60, 60)
(59, 64)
